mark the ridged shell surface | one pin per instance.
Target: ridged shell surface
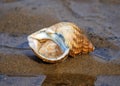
(74, 38)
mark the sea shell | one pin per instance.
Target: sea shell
(54, 43)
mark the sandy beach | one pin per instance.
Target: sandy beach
(99, 19)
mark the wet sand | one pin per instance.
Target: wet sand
(97, 18)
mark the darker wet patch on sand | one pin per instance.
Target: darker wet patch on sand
(108, 80)
(18, 41)
(21, 80)
(69, 80)
(105, 48)
(106, 53)
(100, 41)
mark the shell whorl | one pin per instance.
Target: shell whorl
(74, 38)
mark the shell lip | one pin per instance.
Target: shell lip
(56, 58)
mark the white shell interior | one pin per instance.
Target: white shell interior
(43, 34)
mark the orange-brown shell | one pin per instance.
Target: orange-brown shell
(74, 38)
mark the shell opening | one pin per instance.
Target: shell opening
(58, 47)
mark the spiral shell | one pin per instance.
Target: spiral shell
(54, 43)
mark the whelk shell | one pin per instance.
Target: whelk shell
(54, 43)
